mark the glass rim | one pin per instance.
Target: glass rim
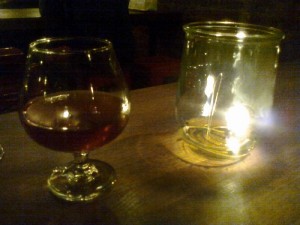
(234, 31)
(41, 45)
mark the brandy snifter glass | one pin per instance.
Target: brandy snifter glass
(75, 100)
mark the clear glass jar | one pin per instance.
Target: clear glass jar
(225, 88)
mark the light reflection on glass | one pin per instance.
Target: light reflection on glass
(233, 144)
(237, 55)
(125, 106)
(66, 114)
(60, 97)
(209, 89)
(89, 57)
(45, 81)
(1, 152)
(92, 92)
(241, 35)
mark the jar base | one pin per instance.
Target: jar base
(201, 156)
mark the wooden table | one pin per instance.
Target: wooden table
(154, 186)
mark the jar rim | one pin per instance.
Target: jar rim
(234, 31)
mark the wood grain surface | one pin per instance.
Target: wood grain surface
(154, 186)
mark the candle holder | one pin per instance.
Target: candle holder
(225, 90)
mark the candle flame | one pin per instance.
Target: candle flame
(238, 121)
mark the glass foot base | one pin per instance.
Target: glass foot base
(81, 182)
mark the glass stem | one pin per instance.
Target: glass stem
(80, 157)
